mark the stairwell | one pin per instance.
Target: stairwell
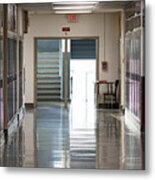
(49, 80)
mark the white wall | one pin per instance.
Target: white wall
(88, 25)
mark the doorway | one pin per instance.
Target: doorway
(57, 61)
(83, 68)
(49, 70)
(83, 74)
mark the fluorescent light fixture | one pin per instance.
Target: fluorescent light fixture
(73, 12)
(74, 2)
(71, 7)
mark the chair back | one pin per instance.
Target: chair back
(116, 88)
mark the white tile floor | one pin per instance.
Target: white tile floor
(50, 137)
(81, 137)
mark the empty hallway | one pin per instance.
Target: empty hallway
(72, 85)
(48, 137)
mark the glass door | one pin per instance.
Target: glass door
(52, 66)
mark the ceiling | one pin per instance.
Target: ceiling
(99, 7)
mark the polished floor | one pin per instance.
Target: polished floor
(51, 137)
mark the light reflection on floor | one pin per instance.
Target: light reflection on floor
(45, 139)
(81, 137)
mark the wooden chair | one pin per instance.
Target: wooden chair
(111, 96)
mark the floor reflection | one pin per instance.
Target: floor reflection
(51, 137)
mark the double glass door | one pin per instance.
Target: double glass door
(54, 80)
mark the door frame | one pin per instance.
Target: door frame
(65, 60)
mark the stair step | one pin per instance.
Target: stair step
(46, 91)
(48, 97)
(48, 58)
(48, 72)
(49, 90)
(47, 86)
(48, 53)
(49, 82)
(52, 77)
(54, 82)
(56, 62)
(47, 67)
(48, 76)
(49, 100)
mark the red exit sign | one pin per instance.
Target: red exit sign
(72, 18)
(65, 29)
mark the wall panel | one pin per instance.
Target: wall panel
(12, 61)
(134, 48)
(10, 65)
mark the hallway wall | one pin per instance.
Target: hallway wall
(46, 25)
(134, 57)
(11, 65)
